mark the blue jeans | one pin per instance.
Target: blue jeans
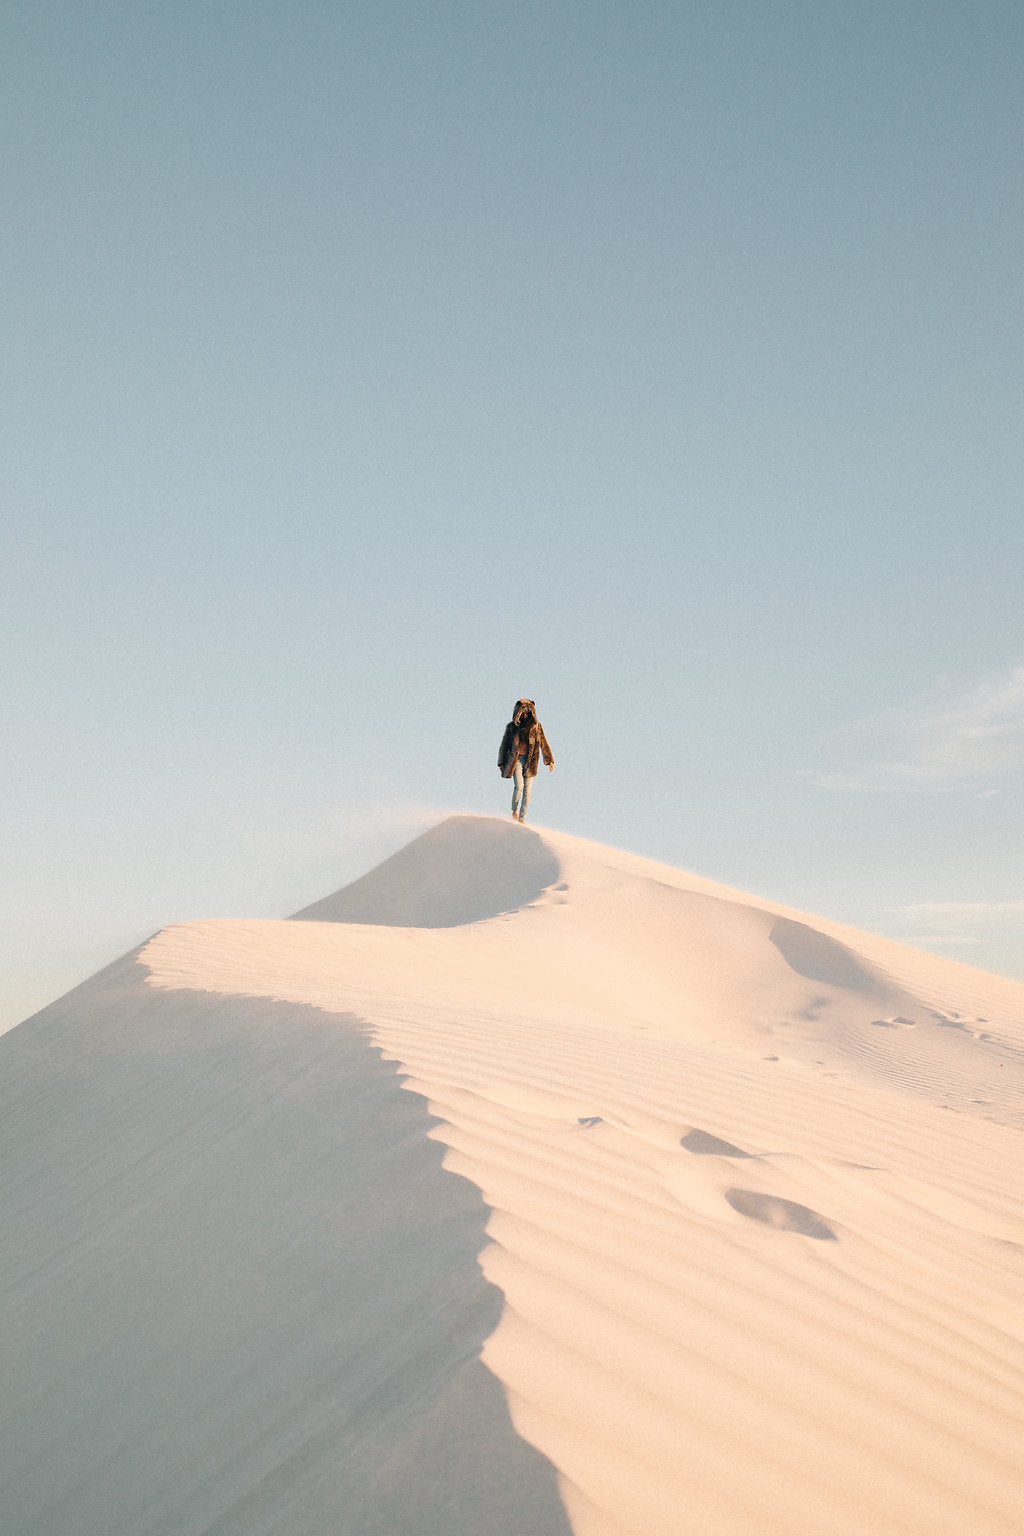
(521, 785)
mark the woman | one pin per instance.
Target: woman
(520, 752)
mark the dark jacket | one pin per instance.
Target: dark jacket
(524, 735)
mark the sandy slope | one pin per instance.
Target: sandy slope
(751, 1185)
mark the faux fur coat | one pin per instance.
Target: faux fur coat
(524, 734)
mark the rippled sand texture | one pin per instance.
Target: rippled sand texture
(692, 1215)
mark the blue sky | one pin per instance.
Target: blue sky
(369, 365)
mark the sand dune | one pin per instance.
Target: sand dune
(523, 1186)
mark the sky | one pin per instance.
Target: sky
(370, 365)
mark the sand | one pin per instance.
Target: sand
(523, 1186)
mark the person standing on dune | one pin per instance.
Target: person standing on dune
(520, 752)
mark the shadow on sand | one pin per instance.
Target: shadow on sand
(466, 869)
(239, 1294)
(819, 958)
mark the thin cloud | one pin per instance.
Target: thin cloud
(953, 915)
(982, 931)
(971, 738)
(942, 941)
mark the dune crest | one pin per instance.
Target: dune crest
(628, 1205)
(464, 870)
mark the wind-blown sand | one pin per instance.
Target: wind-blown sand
(524, 1186)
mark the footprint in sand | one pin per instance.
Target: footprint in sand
(771, 1209)
(787, 1215)
(706, 1145)
(703, 1195)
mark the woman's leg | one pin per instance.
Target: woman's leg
(524, 785)
(518, 781)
